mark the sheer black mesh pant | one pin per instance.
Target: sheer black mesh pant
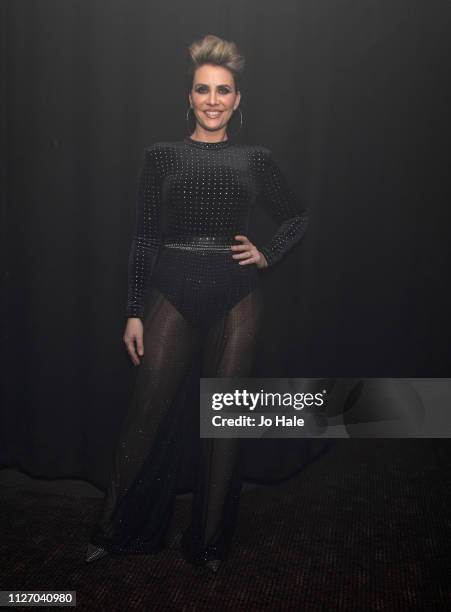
(140, 498)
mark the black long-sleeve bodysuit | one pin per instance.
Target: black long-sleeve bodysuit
(193, 198)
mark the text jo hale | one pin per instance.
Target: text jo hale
(263, 421)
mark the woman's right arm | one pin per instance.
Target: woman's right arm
(143, 251)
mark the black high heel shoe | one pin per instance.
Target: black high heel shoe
(208, 558)
(94, 552)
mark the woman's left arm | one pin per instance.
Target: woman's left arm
(278, 199)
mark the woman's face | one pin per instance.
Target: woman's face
(213, 97)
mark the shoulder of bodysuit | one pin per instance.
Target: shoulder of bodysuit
(260, 151)
(157, 147)
(158, 152)
(259, 156)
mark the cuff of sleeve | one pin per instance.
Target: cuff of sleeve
(134, 312)
(268, 255)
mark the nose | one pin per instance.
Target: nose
(212, 98)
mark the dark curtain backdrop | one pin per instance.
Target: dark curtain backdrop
(351, 98)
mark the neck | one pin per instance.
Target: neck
(205, 136)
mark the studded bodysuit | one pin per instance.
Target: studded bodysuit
(193, 198)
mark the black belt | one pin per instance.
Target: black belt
(195, 242)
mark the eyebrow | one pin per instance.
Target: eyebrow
(205, 85)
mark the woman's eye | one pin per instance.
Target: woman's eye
(221, 90)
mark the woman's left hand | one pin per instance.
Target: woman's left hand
(248, 253)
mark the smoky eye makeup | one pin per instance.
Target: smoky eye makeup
(221, 89)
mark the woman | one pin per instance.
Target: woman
(194, 202)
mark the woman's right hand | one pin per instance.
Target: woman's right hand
(133, 338)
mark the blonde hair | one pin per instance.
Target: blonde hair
(214, 50)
